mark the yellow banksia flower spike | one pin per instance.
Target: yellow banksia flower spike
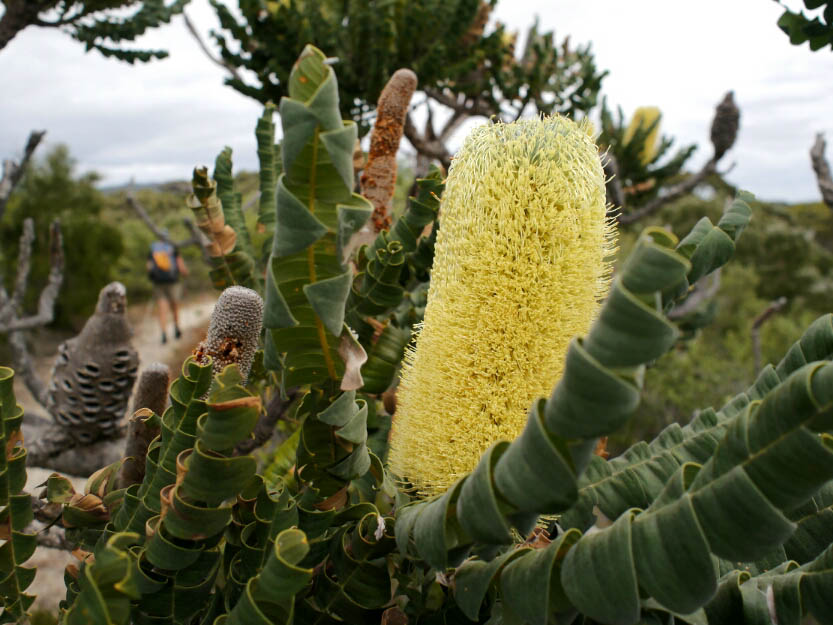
(520, 266)
(643, 117)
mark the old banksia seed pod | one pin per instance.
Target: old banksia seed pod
(519, 268)
(94, 373)
(234, 330)
(725, 125)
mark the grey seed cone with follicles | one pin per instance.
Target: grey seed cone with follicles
(234, 331)
(94, 373)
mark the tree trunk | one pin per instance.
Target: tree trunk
(18, 16)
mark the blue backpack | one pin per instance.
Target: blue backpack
(163, 268)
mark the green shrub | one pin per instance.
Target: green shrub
(724, 520)
(51, 189)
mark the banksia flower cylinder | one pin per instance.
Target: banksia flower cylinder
(642, 119)
(520, 266)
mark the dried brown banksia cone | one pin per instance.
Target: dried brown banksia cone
(725, 125)
(234, 330)
(379, 176)
(151, 398)
(94, 373)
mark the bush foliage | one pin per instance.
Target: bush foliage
(724, 519)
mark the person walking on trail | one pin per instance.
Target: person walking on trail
(165, 265)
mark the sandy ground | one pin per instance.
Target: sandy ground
(194, 315)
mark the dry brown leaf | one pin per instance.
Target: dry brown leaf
(601, 448)
(394, 616)
(354, 356)
(334, 501)
(13, 439)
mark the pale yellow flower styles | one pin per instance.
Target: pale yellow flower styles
(520, 265)
(643, 117)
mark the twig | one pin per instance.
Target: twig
(469, 107)
(724, 131)
(231, 69)
(677, 191)
(276, 410)
(13, 172)
(770, 310)
(450, 127)
(197, 237)
(822, 169)
(703, 291)
(25, 369)
(53, 448)
(426, 146)
(9, 322)
(54, 539)
(48, 444)
(24, 257)
(137, 207)
(10, 307)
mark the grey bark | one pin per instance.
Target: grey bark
(822, 169)
(12, 171)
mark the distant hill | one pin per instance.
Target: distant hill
(174, 186)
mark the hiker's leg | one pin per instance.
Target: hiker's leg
(161, 308)
(173, 294)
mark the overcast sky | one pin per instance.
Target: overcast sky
(155, 122)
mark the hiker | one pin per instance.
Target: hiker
(165, 265)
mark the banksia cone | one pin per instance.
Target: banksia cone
(520, 266)
(151, 397)
(94, 373)
(234, 330)
(642, 119)
(378, 179)
(725, 125)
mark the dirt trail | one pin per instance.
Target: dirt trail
(194, 315)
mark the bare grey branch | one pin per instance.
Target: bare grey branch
(822, 169)
(13, 172)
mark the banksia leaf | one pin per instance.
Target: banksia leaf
(234, 331)
(265, 134)
(216, 206)
(520, 265)
(178, 424)
(107, 584)
(231, 201)
(209, 213)
(238, 265)
(15, 508)
(379, 176)
(377, 289)
(272, 591)
(307, 282)
(646, 119)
